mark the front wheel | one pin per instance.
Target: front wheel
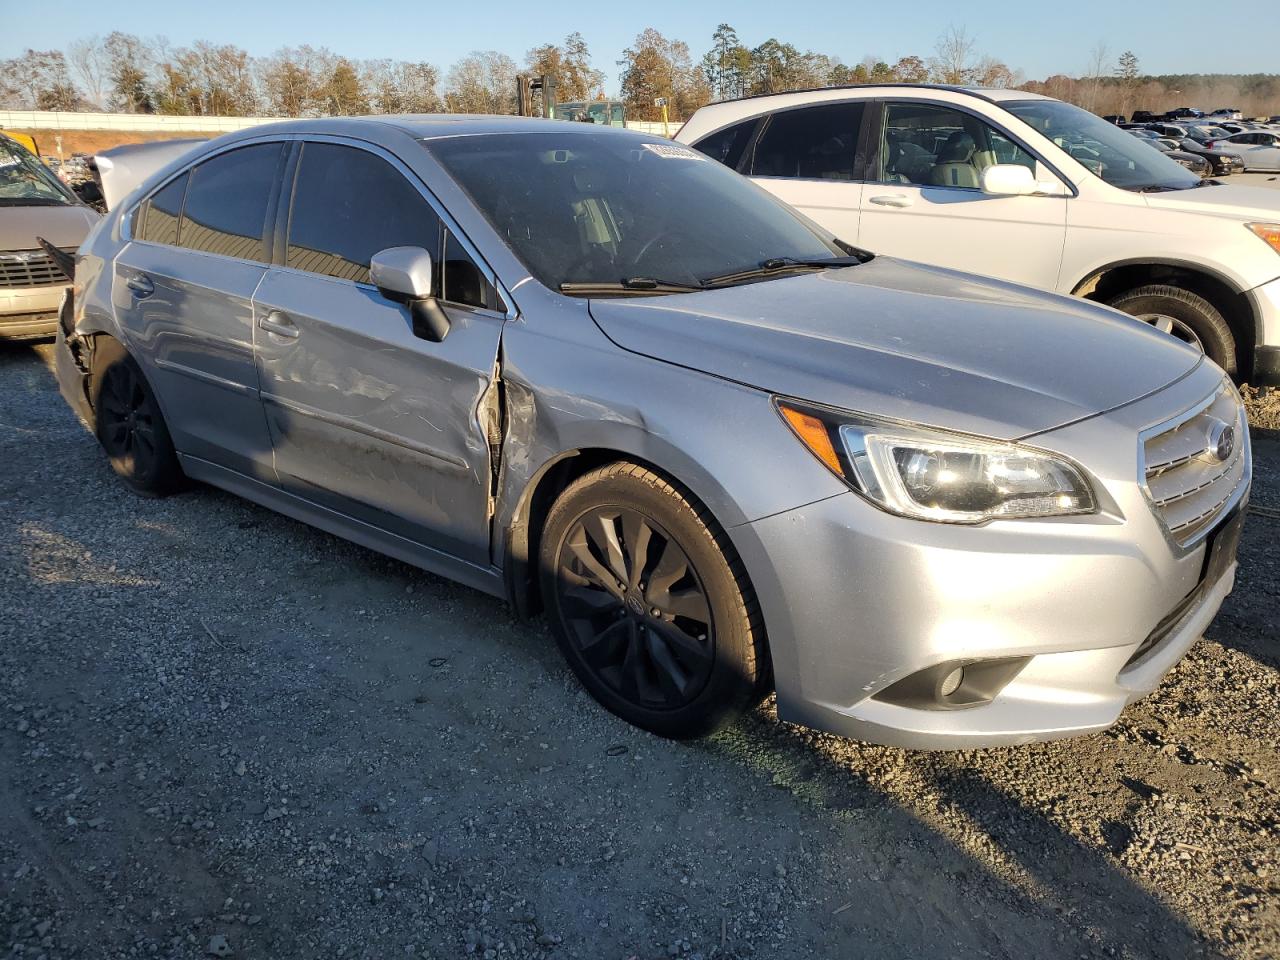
(1185, 315)
(650, 605)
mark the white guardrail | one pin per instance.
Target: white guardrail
(154, 123)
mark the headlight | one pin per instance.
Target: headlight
(1268, 233)
(933, 475)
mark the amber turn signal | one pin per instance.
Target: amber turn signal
(1269, 233)
(814, 434)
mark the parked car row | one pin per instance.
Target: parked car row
(727, 444)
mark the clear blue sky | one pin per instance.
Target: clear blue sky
(1169, 37)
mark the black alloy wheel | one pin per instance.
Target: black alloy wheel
(635, 608)
(127, 419)
(129, 423)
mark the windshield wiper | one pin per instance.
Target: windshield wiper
(776, 266)
(628, 285)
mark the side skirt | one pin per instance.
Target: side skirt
(486, 579)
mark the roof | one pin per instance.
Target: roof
(429, 126)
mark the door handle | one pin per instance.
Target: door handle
(893, 200)
(278, 325)
(141, 285)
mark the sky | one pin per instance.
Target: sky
(1039, 40)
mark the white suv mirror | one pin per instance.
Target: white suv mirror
(1009, 180)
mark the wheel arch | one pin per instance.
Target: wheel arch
(522, 534)
(1106, 282)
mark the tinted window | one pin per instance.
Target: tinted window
(160, 219)
(579, 206)
(463, 281)
(816, 143)
(925, 144)
(727, 145)
(226, 207)
(347, 205)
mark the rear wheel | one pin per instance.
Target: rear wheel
(1185, 315)
(650, 605)
(129, 424)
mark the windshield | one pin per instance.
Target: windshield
(25, 180)
(598, 208)
(1102, 148)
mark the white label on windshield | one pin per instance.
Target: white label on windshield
(673, 151)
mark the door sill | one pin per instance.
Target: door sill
(486, 579)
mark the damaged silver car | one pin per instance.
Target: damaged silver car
(599, 375)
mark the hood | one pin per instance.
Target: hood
(62, 226)
(1226, 200)
(909, 341)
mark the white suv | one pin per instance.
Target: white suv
(1024, 188)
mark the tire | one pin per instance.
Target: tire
(1186, 315)
(129, 424)
(674, 645)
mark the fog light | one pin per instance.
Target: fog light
(951, 682)
(954, 685)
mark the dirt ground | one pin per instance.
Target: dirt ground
(223, 733)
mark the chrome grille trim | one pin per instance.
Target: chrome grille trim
(1187, 487)
(30, 268)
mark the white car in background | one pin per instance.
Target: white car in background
(1259, 149)
(1023, 188)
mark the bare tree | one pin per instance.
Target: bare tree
(38, 80)
(129, 62)
(394, 86)
(1099, 66)
(91, 68)
(953, 57)
(483, 81)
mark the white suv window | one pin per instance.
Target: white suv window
(931, 145)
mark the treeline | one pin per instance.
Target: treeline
(126, 73)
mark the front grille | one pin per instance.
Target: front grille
(30, 268)
(1189, 486)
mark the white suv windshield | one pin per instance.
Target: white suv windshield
(1103, 148)
(25, 181)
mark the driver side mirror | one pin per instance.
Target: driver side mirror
(404, 274)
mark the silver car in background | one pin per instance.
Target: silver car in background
(599, 375)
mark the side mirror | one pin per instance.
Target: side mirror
(404, 274)
(1009, 180)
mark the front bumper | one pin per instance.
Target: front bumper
(856, 600)
(29, 311)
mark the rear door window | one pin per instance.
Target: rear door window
(812, 143)
(227, 200)
(347, 205)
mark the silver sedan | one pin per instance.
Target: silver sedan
(605, 378)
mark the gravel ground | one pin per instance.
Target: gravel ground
(224, 733)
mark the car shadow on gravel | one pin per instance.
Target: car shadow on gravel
(1247, 621)
(1063, 888)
